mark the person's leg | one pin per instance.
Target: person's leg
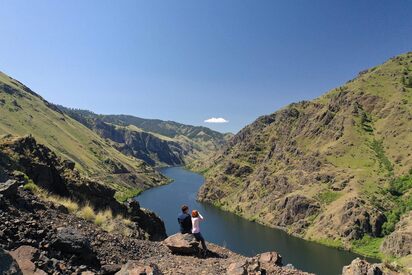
(202, 240)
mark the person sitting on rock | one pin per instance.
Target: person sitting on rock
(196, 219)
(185, 221)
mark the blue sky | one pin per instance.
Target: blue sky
(192, 60)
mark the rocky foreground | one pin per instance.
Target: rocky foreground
(38, 237)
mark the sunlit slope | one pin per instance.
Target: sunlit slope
(23, 112)
(157, 142)
(336, 169)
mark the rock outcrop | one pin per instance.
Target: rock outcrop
(362, 267)
(23, 160)
(399, 242)
(182, 243)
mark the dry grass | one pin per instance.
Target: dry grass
(87, 213)
(103, 219)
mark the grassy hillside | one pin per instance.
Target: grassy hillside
(23, 112)
(335, 169)
(157, 142)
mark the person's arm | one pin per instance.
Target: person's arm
(200, 217)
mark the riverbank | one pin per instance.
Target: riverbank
(237, 234)
(368, 247)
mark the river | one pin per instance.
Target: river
(238, 234)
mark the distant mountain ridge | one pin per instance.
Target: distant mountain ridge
(337, 169)
(155, 141)
(23, 112)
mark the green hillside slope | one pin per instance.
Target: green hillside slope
(23, 112)
(336, 169)
(157, 142)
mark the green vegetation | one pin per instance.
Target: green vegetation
(368, 246)
(402, 200)
(366, 122)
(326, 197)
(401, 185)
(125, 194)
(377, 147)
(330, 242)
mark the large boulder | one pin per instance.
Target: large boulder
(182, 244)
(362, 267)
(25, 256)
(72, 244)
(269, 259)
(137, 268)
(147, 220)
(244, 267)
(8, 265)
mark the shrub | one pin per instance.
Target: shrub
(402, 200)
(31, 186)
(87, 213)
(377, 147)
(70, 205)
(122, 196)
(103, 217)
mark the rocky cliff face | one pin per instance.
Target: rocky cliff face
(323, 169)
(157, 142)
(23, 161)
(399, 242)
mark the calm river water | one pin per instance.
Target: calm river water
(239, 235)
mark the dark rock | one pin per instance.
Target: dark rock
(149, 222)
(295, 208)
(68, 164)
(133, 206)
(8, 265)
(110, 269)
(63, 209)
(182, 244)
(9, 188)
(70, 242)
(357, 219)
(134, 267)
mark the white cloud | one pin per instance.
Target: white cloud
(216, 120)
